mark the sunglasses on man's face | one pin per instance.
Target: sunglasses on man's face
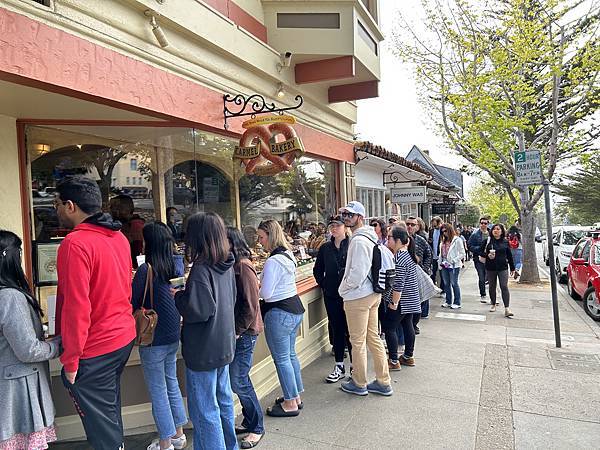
(483, 223)
(411, 224)
(348, 214)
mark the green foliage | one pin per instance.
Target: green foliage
(468, 214)
(493, 201)
(581, 192)
(508, 75)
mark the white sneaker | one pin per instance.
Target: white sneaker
(336, 375)
(455, 306)
(445, 305)
(483, 299)
(180, 442)
(156, 446)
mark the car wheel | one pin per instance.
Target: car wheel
(560, 277)
(570, 289)
(591, 306)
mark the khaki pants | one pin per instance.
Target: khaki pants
(361, 315)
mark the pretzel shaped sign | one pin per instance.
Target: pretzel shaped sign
(261, 153)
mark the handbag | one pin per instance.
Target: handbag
(483, 258)
(146, 319)
(427, 288)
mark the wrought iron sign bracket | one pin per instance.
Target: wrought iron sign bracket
(395, 178)
(257, 105)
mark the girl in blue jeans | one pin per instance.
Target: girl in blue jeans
(159, 360)
(248, 325)
(452, 256)
(283, 313)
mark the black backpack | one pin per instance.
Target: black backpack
(382, 272)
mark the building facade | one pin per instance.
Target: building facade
(131, 94)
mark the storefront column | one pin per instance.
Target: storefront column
(10, 192)
(158, 188)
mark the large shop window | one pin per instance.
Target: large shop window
(373, 201)
(143, 171)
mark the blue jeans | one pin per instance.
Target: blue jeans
(450, 277)
(425, 308)
(481, 275)
(210, 403)
(281, 328)
(159, 365)
(241, 384)
(517, 254)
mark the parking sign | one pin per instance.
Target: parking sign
(528, 168)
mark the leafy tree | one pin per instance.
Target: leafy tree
(509, 75)
(581, 192)
(468, 214)
(493, 201)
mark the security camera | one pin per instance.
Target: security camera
(286, 60)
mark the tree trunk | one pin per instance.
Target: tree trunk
(529, 273)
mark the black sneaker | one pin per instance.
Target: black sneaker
(336, 375)
(417, 330)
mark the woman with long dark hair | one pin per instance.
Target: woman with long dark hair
(328, 271)
(26, 408)
(451, 257)
(159, 360)
(248, 325)
(402, 302)
(208, 333)
(283, 312)
(381, 230)
(498, 259)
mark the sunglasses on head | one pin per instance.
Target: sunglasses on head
(348, 214)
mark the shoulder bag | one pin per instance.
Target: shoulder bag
(146, 319)
(483, 258)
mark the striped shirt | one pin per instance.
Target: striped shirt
(406, 283)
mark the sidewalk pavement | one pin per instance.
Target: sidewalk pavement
(481, 382)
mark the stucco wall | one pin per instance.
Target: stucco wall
(10, 194)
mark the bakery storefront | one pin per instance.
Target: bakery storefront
(188, 169)
(169, 149)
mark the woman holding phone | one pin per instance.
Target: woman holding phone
(498, 259)
(159, 360)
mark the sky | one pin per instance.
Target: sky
(395, 120)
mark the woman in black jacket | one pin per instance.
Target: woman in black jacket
(328, 271)
(208, 333)
(498, 259)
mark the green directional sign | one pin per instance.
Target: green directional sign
(528, 168)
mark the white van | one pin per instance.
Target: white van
(565, 239)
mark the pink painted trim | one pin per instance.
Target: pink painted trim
(240, 17)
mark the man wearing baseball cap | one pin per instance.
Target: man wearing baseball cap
(360, 304)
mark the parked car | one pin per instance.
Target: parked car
(584, 274)
(538, 235)
(564, 242)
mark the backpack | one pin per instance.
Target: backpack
(513, 241)
(383, 268)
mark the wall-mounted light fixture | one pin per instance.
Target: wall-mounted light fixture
(159, 34)
(285, 61)
(280, 91)
(42, 149)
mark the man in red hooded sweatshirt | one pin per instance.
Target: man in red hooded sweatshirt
(93, 309)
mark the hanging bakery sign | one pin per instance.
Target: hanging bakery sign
(269, 145)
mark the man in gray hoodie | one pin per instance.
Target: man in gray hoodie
(360, 305)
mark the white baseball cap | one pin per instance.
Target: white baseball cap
(354, 207)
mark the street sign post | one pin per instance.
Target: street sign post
(528, 171)
(528, 168)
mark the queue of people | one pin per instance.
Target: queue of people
(224, 306)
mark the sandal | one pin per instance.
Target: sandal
(280, 400)
(278, 411)
(250, 444)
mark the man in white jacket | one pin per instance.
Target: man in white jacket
(360, 305)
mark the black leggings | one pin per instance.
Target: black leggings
(339, 327)
(393, 320)
(502, 277)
